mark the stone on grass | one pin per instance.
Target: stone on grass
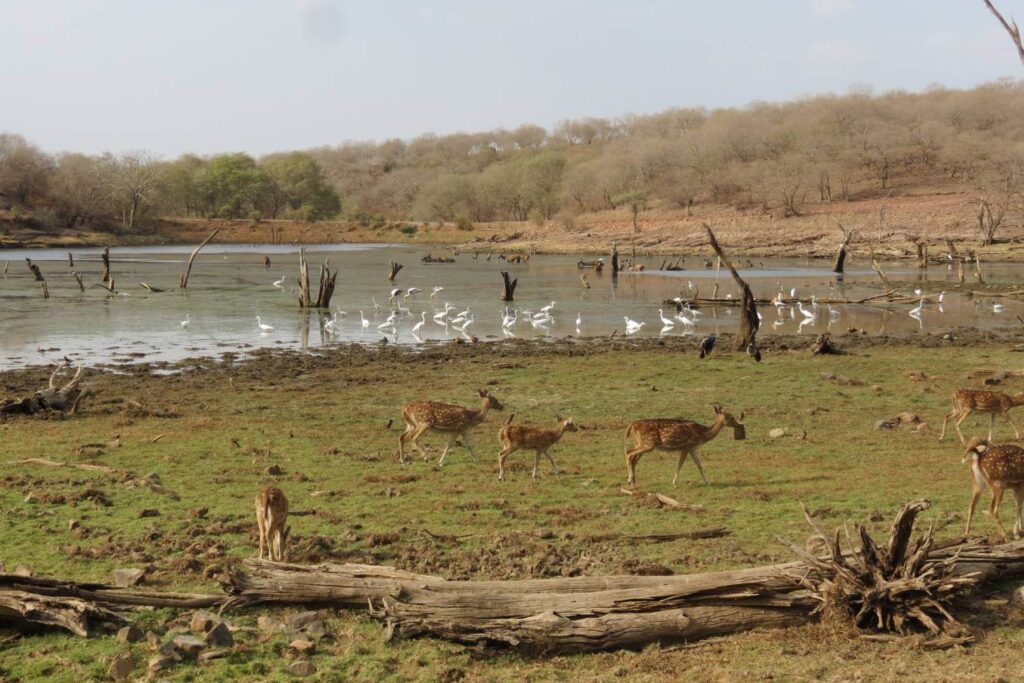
(129, 634)
(126, 578)
(189, 646)
(162, 662)
(121, 667)
(777, 433)
(214, 654)
(301, 668)
(220, 635)
(302, 646)
(203, 621)
(23, 570)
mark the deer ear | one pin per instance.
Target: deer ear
(741, 416)
(558, 417)
(483, 393)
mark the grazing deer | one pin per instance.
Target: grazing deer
(684, 436)
(271, 519)
(967, 401)
(996, 467)
(515, 436)
(455, 421)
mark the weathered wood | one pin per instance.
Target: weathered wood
(71, 614)
(394, 268)
(38, 275)
(615, 259)
(188, 268)
(149, 288)
(78, 279)
(746, 336)
(508, 287)
(105, 256)
(65, 398)
(325, 290)
(840, 263)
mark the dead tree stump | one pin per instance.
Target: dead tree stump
(615, 259)
(393, 273)
(746, 336)
(325, 290)
(106, 265)
(509, 287)
(38, 275)
(840, 263)
(188, 269)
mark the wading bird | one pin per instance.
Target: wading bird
(262, 325)
(186, 322)
(417, 326)
(280, 283)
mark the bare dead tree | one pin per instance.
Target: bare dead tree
(71, 260)
(746, 336)
(1011, 28)
(188, 269)
(840, 264)
(78, 279)
(325, 290)
(615, 259)
(38, 275)
(395, 267)
(509, 287)
(106, 264)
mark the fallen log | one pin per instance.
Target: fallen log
(71, 614)
(63, 399)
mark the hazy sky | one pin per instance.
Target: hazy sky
(266, 75)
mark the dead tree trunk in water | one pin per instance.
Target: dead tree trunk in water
(840, 265)
(78, 279)
(615, 259)
(38, 275)
(71, 260)
(746, 336)
(881, 276)
(188, 269)
(509, 287)
(106, 265)
(324, 292)
(395, 267)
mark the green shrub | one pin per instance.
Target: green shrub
(463, 223)
(409, 230)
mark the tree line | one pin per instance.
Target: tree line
(775, 157)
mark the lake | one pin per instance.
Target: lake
(229, 287)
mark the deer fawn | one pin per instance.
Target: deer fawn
(271, 517)
(967, 401)
(997, 467)
(515, 436)
(455, 421)
(684, 436)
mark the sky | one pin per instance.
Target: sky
(210, 76)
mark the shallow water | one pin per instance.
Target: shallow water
(229, 287)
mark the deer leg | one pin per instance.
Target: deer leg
(679, 466)
(632, 457)
(997, 500)
(1018, 500)
(1016, 434)
(553, 465)
(465, 442)
(261, 530)
(414, 440)
(409, 429)
(991, 425)
(975, 495)
(693, 454)
(536, 464)
(960, 421)
(451, 442)
(505, 452)
(953, 413)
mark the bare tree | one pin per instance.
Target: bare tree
(135, 177)
(1001, 198)
(1011, 28)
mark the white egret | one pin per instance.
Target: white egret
(997, 308)
(411, 291)
(365, 322)
(417, 326)
(394, 294)
(665, 322)
(632, 326)
(805, 312)
(262, 325)
(186, 322)
(547, 309)
(579, 322)
(435, 291)
(917, 309)
(280, 283)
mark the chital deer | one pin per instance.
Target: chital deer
(515, 436)
(271, 521)
(967, 401)
(454, 421)
(684, 436)
(997, 467)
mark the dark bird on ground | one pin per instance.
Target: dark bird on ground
(706, 345)
(754, 352)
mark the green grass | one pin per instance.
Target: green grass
(322, 419)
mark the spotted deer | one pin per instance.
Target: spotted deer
(996, 467)
(684, 436)
(271, 520)
(513, 437)
(445, 418)
(967, 401)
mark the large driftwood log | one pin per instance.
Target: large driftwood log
(72, 614)
(746, 336)
(64, 398)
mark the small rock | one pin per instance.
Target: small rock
(220, 635)
(203, 621)
(267, 624)
(126, 578)
(153, 639)
(1017, 597)
(302, 646)
(170, 649)
(301, 668)
(828, 375)
(23, 570)
(148, 512)
(316, 630)
(329, 494)
(777, 433)
(73, 524)
(31, 498)
(189, 646)
(214, 654)
(273, 470)
(198, 513)
(121, 667)
(162, 662)
(544, 534)
(129, 634)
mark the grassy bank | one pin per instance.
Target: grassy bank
(322, 419)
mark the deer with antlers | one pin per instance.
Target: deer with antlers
(967, 401)
(996, 467)
(513, 437)
(452, 420)
(684, 436)
(271, 522)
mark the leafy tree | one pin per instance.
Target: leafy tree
(444, 197)
(232, 186)
(297, 184)
(80, 189)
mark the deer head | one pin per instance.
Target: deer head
(975, 447)
(490, 401)
(738, 430)
(568, 423)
